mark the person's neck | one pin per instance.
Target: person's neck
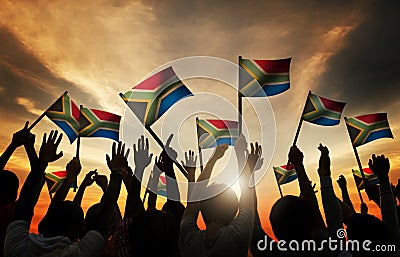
(212, 229)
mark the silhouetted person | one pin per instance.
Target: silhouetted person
(225, 234)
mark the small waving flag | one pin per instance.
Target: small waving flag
(212, 133)
(55, 179)
(65, 114)
(96, 123)
(368, 174)
(150, 99)
(271, 75)
(284, 175)
(366, 128)
(162, 185)
(322, 111)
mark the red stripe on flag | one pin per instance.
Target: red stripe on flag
(106, 116)
(224, 124)
(274, 66)
(155, 80)
(371, 118)
(60, 174)
(75, 110)
(291, 167)
(332, 105)
(367, 171)
(163, 180)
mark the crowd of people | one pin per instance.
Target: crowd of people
(233, 226)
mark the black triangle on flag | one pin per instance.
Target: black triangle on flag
(353, 132)
(83, 121)
(57, 105)
(309, 107)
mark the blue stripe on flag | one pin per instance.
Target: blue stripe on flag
(172, 98)
(226, 140)
(271, 90)
(379, 134)
(107, 134)
(323, 121)
(67, 130)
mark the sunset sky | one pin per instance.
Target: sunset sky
(343, 50)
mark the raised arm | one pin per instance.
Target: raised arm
(152, 186)
(306, 189)
(19, 138)
(118, 166)
(380, 166)
(32, 187)
(332, 209)
(345, 193)
(190, 167)
(168, 156)
(73, 168)
(87, 181)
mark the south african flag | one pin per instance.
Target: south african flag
(55, 179)
(162, 185)
(366, 128)
(322, 111)
(151, 98)
(96, 123)
(271, 75)
(65, 114)
(284, 175)
(212, 133)
(368, 174)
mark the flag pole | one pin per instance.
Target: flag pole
(160, 143)
(280, 190)
(43, 114)
(240, 96)
(78, 147)
(357, 158)
(299, 127)
(198, 145)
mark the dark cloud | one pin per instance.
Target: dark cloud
(366, 72)
(24, 75)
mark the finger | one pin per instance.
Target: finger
(134, 149)
(123, 149)
(54, 136)
(186, 157)
(127, 153)
(251, 148)
(26, 125)
(44, 139)
(59, 155)
(373, 157)
(142, 142)
(59, 140)
(107, 158)
(169, 140)
(119, 147)
(151, 156)
(147, 143)
(50, 138)
(113, 149)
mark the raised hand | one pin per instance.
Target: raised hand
(324, 161)
(254, 155)
(295, 155)
(141, 153)
(220, 151)
(169, 150)
(190, 165)
(241, 149)
(89, 178)
(22, 137)
(48, 150)
(118, 161)
(101, 181)
(342, 182)
(380, 166)
(73, 168)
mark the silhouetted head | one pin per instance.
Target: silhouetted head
(292, 218)
(175, 211)
(149, 234)
(90, 217)
(8, 187)
(63, 218)
(222, 208)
